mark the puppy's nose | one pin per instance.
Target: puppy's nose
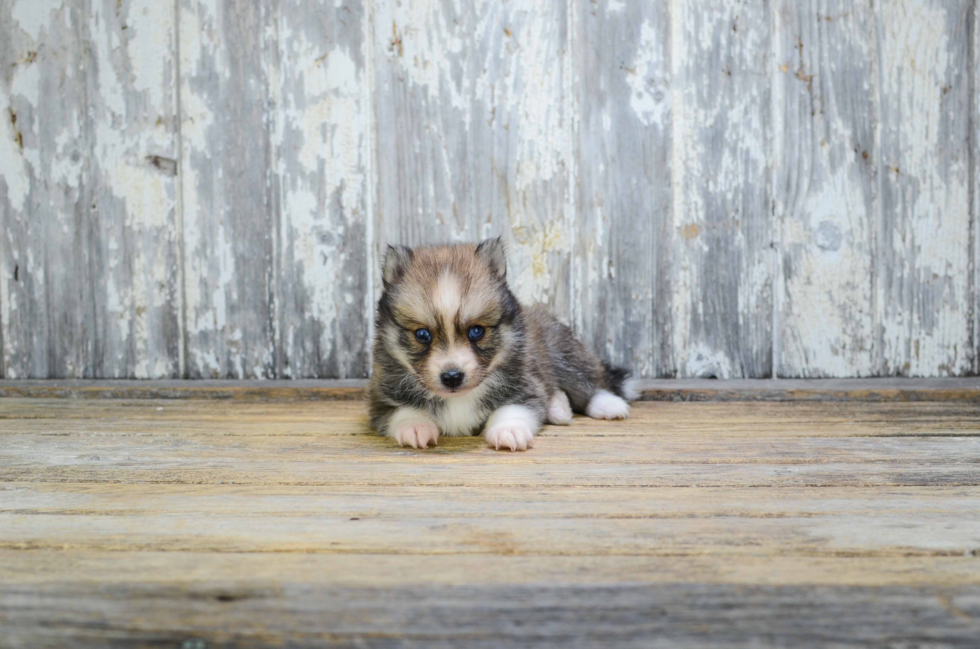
(452, 378)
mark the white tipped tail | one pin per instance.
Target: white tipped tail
(631, 389)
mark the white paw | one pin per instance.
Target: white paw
(419, 433)
(559, 410)
(512, 427)
(513, 435)
(606, 405)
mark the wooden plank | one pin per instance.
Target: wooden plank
(215, 571)
(230, 613)
(930, 535)
(434, 471)
(833, 536)
(292, 597)
(474, 134)
(90, 253)
(615, 503)
(323, 144)
(660, 420)
(723, 234)
(662, 445)
(230, 200)
(296, 448)
(974, 295)
(848, 522)
(879, 389)
(624, 223)
(824, 158)
(922, 257)
(842, 390)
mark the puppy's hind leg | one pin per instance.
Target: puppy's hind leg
(559, 409)
(606, 405)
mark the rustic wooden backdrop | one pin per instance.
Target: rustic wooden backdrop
(203, 188)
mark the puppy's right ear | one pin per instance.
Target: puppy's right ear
(397, 259)
(492, 251)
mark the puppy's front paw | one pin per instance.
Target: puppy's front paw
(513, 435)
(512, 427)
(417, 434)
(606, 405)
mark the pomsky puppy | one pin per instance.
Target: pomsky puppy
(455, 353)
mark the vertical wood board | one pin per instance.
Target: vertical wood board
(924, 218)
(323, 166)
(974, 293)
(624, 224)
(230, 195)
(723, 233)
(824, 154)
(90, 250)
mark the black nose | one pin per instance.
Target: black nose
(452, 378)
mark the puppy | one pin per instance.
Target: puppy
(455, 353)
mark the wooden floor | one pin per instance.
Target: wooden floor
(198, 523)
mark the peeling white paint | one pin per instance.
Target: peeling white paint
(650, 97)
(615, 6)
(13, 172)
(422, 38)
(149, 45)
(33, 15)
(524, 97)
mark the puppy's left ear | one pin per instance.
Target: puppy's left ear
(492, 251)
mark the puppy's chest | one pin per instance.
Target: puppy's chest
(463, 415)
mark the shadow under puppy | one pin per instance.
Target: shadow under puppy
(455, 353)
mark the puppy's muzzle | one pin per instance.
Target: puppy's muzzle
(452, 378)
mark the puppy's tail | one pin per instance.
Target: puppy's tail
(621, 382)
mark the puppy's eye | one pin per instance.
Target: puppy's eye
(476, 332)
(423, 336)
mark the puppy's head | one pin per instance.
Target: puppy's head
(446, 313)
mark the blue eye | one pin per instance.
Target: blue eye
(423, 336)
(476, 332)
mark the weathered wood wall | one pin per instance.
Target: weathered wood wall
(203, 188)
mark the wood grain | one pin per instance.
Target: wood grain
(150, 523)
